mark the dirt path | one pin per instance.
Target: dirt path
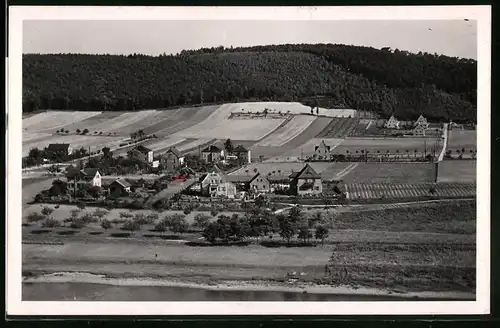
(446, 132)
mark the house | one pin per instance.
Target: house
(212, 154)
(322, 151)
(392, 123)
(90, 176)
(242, 153)
(172, 159)
(213, 184)
(59, 149)
(421, 121)
(142, 153)
(259, 183)
(419, 130)
(306, 182)
(119, 187)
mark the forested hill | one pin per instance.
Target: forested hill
(384, 81)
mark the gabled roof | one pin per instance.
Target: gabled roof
(174, 151)
(142, 149)
(58, 147)
(211, 149)
(89, 172)
(238, 178)
(322, 144)
(240, 149)
(123, 183)
(256, 176)
(307, 172)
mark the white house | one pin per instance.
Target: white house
(322, 151)
(392, 123)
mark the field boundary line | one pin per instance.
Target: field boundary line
(347, 170)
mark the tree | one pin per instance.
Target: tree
(78, 131)
(304, 233)
(228, 145)
(179, 224)
(131, 225)
(211, 232)
(201, 221)
(106, 224)
(287, 228)
(321, 233)
(106, 151)
(47, 211)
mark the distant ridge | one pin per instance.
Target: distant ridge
(331, 76)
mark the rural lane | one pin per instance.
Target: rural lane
(445, 142)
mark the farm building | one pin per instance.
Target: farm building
(172, 159)
(142, 153)
(322, 151)
(392, 123)
(306, 182)
(119, 187)
(212, 154)
(213, 184)
(59, 149)
(242, 153)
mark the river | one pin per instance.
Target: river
(100, 292)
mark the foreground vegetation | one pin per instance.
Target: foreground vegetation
(332, 76)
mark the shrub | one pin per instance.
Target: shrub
(100, 213)
(188, 210)
(131, 225)
(89, 218)
(106, 224)
(118, 221)
(214, 212)
(321, 233)
(126, 215)
(50, 223)
(143, 219)
(35, 217)
(179, 224)
(201, 221)
(78, 224)
(47, 211)
(81, 206)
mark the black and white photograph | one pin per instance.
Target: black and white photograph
(217, 159)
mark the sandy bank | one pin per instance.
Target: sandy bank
(225, 285)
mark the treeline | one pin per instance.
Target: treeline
(383, 81)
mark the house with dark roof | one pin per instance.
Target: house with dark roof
(119, 187)
(242, 153)
(322, 151)
(259, 184)
(214, 184)
(59, 149)
(172, 159)
(306, 182)
(142, 153)
(212, 154)
(87, 176)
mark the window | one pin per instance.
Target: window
(263, 187)
(316, 188)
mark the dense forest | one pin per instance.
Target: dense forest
(384, 81)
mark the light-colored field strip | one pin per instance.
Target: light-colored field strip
(61, 119)
(121, 121)
(141, 123)
(213, 120)
(241, 129)
(29, 136)
(286, 133)
(164, 143)
(194, 144)
(30, 123)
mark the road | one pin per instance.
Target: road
(173, 188)
(445, 142)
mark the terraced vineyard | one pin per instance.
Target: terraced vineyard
(339, 127)
(390, 190)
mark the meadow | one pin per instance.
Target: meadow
(409, 173)
(457, 171)
(405, 146)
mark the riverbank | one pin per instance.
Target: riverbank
(173, 289)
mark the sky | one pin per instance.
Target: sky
(447, 37)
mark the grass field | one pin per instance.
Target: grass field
(339, 128)
(291, 107)
(288, 132)
(87, 123)
(408, 190)
(457, 171)
(462, 140)
(390, 145)
(307, 149)
(391, 173)
(54, 119)
(286, 168)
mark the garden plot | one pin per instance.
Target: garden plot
(307, 149)
(391, 173)
(462, 141)
(120, 121)
(87, 123)
(391, 190)
(288, 132)
(457, 171)
(292, 108)
(404, 146)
